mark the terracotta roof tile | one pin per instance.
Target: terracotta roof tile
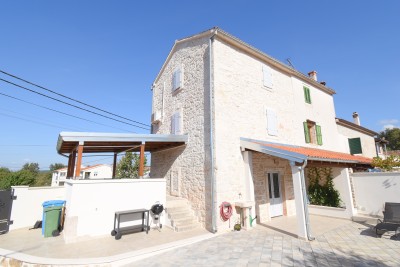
(314, 153)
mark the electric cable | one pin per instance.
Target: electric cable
(70, 115)
(70, 98)
(69, 104)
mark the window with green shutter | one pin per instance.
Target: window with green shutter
(307, 95)
(306, 132)
(319, 134)
(355, 146)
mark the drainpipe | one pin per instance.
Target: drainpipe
(213, 183)
(305, 201)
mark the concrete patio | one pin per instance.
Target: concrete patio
(338, 243)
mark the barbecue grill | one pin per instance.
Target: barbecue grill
(156, 210)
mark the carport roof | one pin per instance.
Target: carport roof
(117, 142)
(299, 154)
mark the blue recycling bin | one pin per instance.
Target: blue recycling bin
(49, 204)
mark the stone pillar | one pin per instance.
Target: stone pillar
(298, 195)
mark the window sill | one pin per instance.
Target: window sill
(176, 91)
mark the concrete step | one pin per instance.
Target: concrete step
(188, 227)
(181, 214)
(177, 209)
(183, 222)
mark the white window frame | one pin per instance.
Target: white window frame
(268, 80)
(177, 122)
(272, 122)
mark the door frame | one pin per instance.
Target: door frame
(281, 177)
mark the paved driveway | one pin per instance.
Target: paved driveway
(353, 244)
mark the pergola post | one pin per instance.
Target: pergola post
(299, 201)
(71, 164)
(79, 160)
(141, 160)
(114, 165)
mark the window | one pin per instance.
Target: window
(312, 132)
(355, 146)
(177, 79)
(95, 174)
(307, 96)
(267, 77)
(62, 174)
(272, 122)
(176, 123)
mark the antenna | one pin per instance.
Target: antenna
(290, 62)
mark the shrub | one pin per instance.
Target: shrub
(322, 194)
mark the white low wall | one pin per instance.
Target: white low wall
(329, 211)
(372, 190)
(91, 204)
(27, 208)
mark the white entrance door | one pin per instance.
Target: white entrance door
(275, 195)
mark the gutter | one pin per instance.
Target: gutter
(212, 163)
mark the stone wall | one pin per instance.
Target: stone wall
(186, 169)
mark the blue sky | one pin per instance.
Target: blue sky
(107, 54)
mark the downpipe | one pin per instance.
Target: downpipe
(213, 183)
(305, 201)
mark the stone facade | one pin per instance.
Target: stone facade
(186, 169)
(262, 164)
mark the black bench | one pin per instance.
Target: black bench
(119, 231)
(391, 219)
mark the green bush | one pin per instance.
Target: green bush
(325, 194)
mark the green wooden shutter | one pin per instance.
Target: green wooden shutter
(307, 95)
(355, 146)
(306, 132)
(319, 134)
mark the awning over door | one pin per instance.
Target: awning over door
(314, 156)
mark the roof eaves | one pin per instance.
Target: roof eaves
(356, 127)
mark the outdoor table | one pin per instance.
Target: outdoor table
(119, 231)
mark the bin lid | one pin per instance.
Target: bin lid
(51, 203)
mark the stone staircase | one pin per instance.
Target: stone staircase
(180, 214)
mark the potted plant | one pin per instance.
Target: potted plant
(237, 226)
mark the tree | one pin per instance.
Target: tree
(22, 177)
(128, 166)
(393, 136)
(32, 167)
(56, 166)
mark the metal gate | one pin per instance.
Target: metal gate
(6, 199)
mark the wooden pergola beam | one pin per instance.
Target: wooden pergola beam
(114, 165)
(79, 161)
(141, 161)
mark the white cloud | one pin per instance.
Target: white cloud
(388, 126)
(389, 122)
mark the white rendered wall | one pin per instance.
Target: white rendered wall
(91, 204)
(367, 141)
(372, 190)
(27, 208)
(103, 172)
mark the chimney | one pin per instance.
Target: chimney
(356, 118)
(313, 75)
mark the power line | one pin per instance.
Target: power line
(72, 105)
(61, 112)
(80, 102)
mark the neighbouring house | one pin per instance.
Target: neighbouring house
(254, 127)
(99, 171)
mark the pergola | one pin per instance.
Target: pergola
(74, 144)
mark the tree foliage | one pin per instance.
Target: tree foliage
(128, 166)
(323, 194)
(32, 167)
(393, 136)
(386, 164)
(56, 166)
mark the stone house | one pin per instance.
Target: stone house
(253, 124)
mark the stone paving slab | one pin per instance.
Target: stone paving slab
(353, 244)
